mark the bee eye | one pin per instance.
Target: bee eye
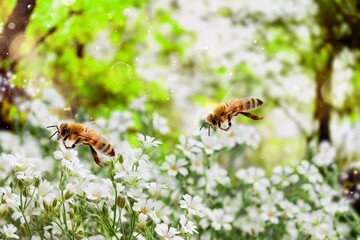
(63, 132)
(213, 121)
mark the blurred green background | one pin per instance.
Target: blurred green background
(185, 57)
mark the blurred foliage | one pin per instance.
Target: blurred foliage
(90, 52)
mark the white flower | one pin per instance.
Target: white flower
(289, 208)
(292, 230)
(175, 166)
(9, 231)
(154, 188)
(53, 98)
(39, 114)
(310, 171)
(120, 121)
(323, 231)
(167, 233)
(219, 219)
(215, 175)
(251, 223)
(65, 155)
(148, 141)
(326, 155)
(189, 145)
(136, 194)
(97, 191)
(193, 205)
(70, 160)
(269, 213)
(210, 143)
(19, 160)
(252, 137)
(9, 197)
(138, 104)
(250, 175)
(162, 212)
(187, 226)
(45, 187)
(28, 174)
(197, 163)
(96, 237)
(284, 176)
(145, 207)
(160, 124)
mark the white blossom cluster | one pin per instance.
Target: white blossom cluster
(148, 192)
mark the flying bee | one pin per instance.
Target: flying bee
(230, 109)
(80, 134)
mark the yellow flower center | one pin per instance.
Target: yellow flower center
(174, 167)
(144, 210)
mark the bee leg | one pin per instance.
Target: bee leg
(94, 154)
(76, 143)
(252, 116)
(65, 145)
(229, 124)
(229, 121)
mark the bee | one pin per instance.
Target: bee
(230, 109)
(81, 134)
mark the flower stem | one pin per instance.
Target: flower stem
(62, 185)
(22, 209)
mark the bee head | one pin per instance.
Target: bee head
(63, 131)
(212, 120)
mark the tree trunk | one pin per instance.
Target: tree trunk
(323, 87)
(14, 26)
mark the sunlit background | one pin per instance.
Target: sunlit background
(160, 67)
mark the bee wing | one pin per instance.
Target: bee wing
(234, 91)
(236, 103)
(90, 136)
(244, 105)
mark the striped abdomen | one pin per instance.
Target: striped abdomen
(244, 104)
(100, 143)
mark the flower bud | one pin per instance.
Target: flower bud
(37, 182)
(149, 222)
(54, 203)
(71, 213)
(105, 210)
(46, 206)
(25, 192)
(68, 194)
(141, 226)
(121, 201)
(23, 230)
(121, 159)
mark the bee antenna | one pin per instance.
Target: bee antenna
(54, 132)
(55, 126)
(203, 125)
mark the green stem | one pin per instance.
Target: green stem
(64, 210)
(115, 188)
(132, 225)
(22, 209)
(32, 196)
(62, 229)
(62, 188)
